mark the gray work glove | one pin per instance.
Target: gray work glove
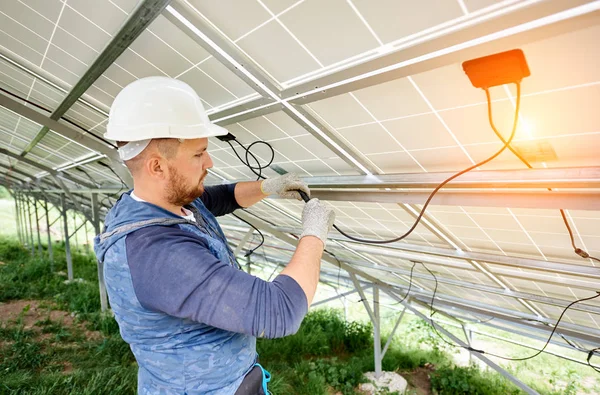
(284, 186)
(317, 220)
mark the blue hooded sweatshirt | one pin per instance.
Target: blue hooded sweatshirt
(189, 314)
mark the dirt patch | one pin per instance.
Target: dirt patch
(418, 381)
(40, 311)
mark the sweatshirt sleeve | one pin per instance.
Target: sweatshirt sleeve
(220, 199)
(174, 272)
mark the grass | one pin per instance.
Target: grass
(328, 355)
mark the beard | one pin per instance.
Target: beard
(181, 194)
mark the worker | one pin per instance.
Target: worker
(189, 313)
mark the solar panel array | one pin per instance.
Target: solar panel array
(426, 118)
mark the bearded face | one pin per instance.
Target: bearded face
(181, 190)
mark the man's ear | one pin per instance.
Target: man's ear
(156, 166)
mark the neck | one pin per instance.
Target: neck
(151, 196)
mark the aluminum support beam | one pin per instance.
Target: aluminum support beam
(50, 252)
(97, 231)
(243, 242)
(74, 200)
(143, 15)
(45, 168)
(389, 341)
(582, 333)
(92, 143)
(74, 233)
(363, 298)
(67, 245)
(186, 19)
(15, 170)
(565, 177)
(588, 308)
(24, 220)
(336, 297)
(37, 224)
(543, 199)
(35, 71)
(484, 359)
(422, 251)
(474, 331)
(472, 38)
(377, 332)
(32, 243)
(528, 326)
(18, 216)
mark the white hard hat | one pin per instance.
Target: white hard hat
(157, 107)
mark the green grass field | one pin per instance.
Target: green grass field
(54, 340)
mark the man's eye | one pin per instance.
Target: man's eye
(199, 155)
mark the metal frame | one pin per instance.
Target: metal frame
(138, 21)
(423, 252)
(404, 61)
(432, 52)
(97, 231)
(218, 46)
(92, 143)
(580, 200)
(480, 356)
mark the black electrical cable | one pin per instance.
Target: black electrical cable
(78, 168)
(248, 151)
(590, 355)
(500, 356)
(577, 250)
(250, 252)
(339, 265)
(440, 186)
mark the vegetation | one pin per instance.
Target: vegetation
(81, 352)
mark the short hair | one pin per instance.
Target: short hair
(167, 147)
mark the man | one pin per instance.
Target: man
(190, 315)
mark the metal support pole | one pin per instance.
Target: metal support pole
(67, 246)
(32, 245)
(37, 224)
(377, 332)
(389, 341)
(363, 298)
(468, 335)
(23, 221)
(50, 254)
(17, 216)
(86, 245)
(96, 223)
(338, 296)
(75, 231)
(458, 341)
(243, 242)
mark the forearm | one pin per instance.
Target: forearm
(305, 265)
(248, 193)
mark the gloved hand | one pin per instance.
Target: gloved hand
(284, 186)
(317, 220)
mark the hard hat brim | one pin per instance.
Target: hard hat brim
(163, 131)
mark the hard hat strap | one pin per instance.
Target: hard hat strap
(133, 149)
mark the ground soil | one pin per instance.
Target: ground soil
(39, 311)
(418, 380)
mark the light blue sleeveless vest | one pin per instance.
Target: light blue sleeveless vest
(175, 356)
